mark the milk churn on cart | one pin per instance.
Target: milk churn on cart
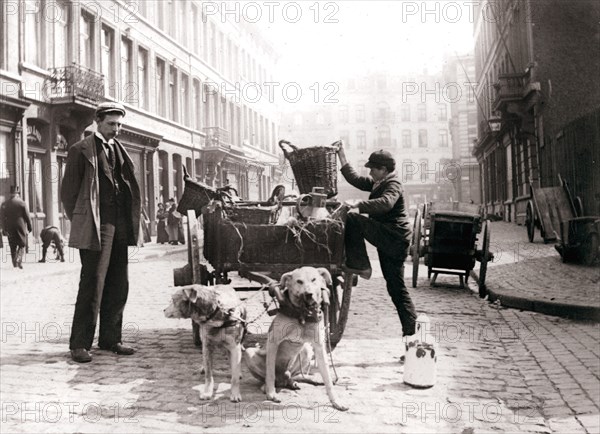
(312, 205)
(420, 358)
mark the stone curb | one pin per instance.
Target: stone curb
(153, 255)
(509, 298)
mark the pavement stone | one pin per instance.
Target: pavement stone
(531, 276)
(52, 266)
(486, 356)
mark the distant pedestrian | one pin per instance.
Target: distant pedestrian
(101, 197)
(161, 226)
(16, 223)
(51, 235)
(173, 222)
(146, 226)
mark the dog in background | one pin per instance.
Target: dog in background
(218, 312)
(299, 321)
(50, 235)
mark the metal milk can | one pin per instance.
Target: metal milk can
(420, 358)
(312, 205)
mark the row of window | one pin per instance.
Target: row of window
(422, 170)
(384, 114)
(384, 139)
(127, 68)
(191, 28)
(47, 39)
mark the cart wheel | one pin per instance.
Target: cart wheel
(339, 306)
(578, 207)
(414, 250)
(485, 257)
(530, 222)
(589, 249)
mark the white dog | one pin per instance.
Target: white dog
(299, 321)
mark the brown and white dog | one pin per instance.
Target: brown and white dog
(221, 318)
(299, 322)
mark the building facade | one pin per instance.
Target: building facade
(536, 62)
(405, 115)
(181, 75)
(459, 76)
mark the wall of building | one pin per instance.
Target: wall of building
(566, 38)
(175, 70)
(406, 115)
(535, 61)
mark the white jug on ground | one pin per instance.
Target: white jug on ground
(420, 358)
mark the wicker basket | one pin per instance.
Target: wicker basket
(252, 215)
(195, 196)
(313, 167)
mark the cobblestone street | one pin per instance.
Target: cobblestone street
(499, 369)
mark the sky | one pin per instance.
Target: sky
(321, 41)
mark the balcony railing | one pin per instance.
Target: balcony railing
(217, 137)
(484, 128)
(75, 82)
(509, 88)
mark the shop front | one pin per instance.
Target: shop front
(141, 147)
(11, 149)
(37, 176)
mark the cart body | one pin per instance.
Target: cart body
(274, 249)
(446, 234)
(267, 251)
(452, 237)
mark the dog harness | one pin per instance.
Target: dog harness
(229, 320)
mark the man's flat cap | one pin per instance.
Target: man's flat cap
(380, 158)
(110, 107)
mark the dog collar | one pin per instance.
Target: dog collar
(229, 319)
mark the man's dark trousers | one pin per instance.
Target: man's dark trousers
(392, 248)
(16, 250)
(103, 288)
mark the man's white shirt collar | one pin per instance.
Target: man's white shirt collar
(101, 137)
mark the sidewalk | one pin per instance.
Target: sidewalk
(532, 276)
(72, 264)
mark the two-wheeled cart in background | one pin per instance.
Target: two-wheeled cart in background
(445, 235)
(560, 218)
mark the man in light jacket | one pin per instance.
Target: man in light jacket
(102, 199)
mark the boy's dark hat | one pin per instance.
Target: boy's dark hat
(380, 158)
(15, 189)
(110, 107)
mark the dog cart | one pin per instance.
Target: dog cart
(559, 218)
(242, 237)
(445, 235)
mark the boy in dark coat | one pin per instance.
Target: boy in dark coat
(386, 227)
